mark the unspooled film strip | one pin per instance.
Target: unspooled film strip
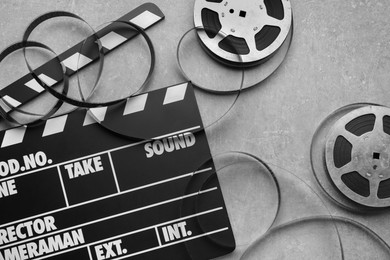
(73, 190)
(111, 36)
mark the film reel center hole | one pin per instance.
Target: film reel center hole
(376, 156)
(242, 13)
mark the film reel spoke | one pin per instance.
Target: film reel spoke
(353, 139)
(220, 34)
(378, 126)
(214, 6)
(250, 40)
(374, 186)
(349, 167)
(271, 21)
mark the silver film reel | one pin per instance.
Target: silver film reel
(357, 155)
(255, 29)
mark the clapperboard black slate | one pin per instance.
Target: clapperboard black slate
(70, 189)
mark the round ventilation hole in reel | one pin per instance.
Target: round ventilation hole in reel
(255, 28)
(357, 155)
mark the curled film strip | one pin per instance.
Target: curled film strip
(235, 169)
(63, 97)
(6, 106)
(137, 54)
(290, 241)
(234, 78)
(254, 193)
(48, 16)
(199, 52)
(42, 80)
(80, 61)
(84, 101)
(145, 16)
(241, 34)
(297, 235)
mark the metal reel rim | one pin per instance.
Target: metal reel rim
(247, 59)
(372, 200)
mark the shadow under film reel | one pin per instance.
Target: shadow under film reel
(355, 155)
(255, 29)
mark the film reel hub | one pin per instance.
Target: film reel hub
(371, 155)
(236, 17)
(254, 29)
(357, 155)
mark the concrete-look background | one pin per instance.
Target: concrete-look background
(340, 54)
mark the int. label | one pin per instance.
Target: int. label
(175, 231)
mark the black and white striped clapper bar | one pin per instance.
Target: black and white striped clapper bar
(111, 37)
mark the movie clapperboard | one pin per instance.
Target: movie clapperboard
(71, 189)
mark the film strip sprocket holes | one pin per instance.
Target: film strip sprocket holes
(69, 189)
(111, 36)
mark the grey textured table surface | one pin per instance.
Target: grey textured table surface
(340, 55)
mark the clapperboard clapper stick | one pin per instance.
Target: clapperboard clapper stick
(111, 36)
(70, 189)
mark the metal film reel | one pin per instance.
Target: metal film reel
(255, 28)
(357, 155)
